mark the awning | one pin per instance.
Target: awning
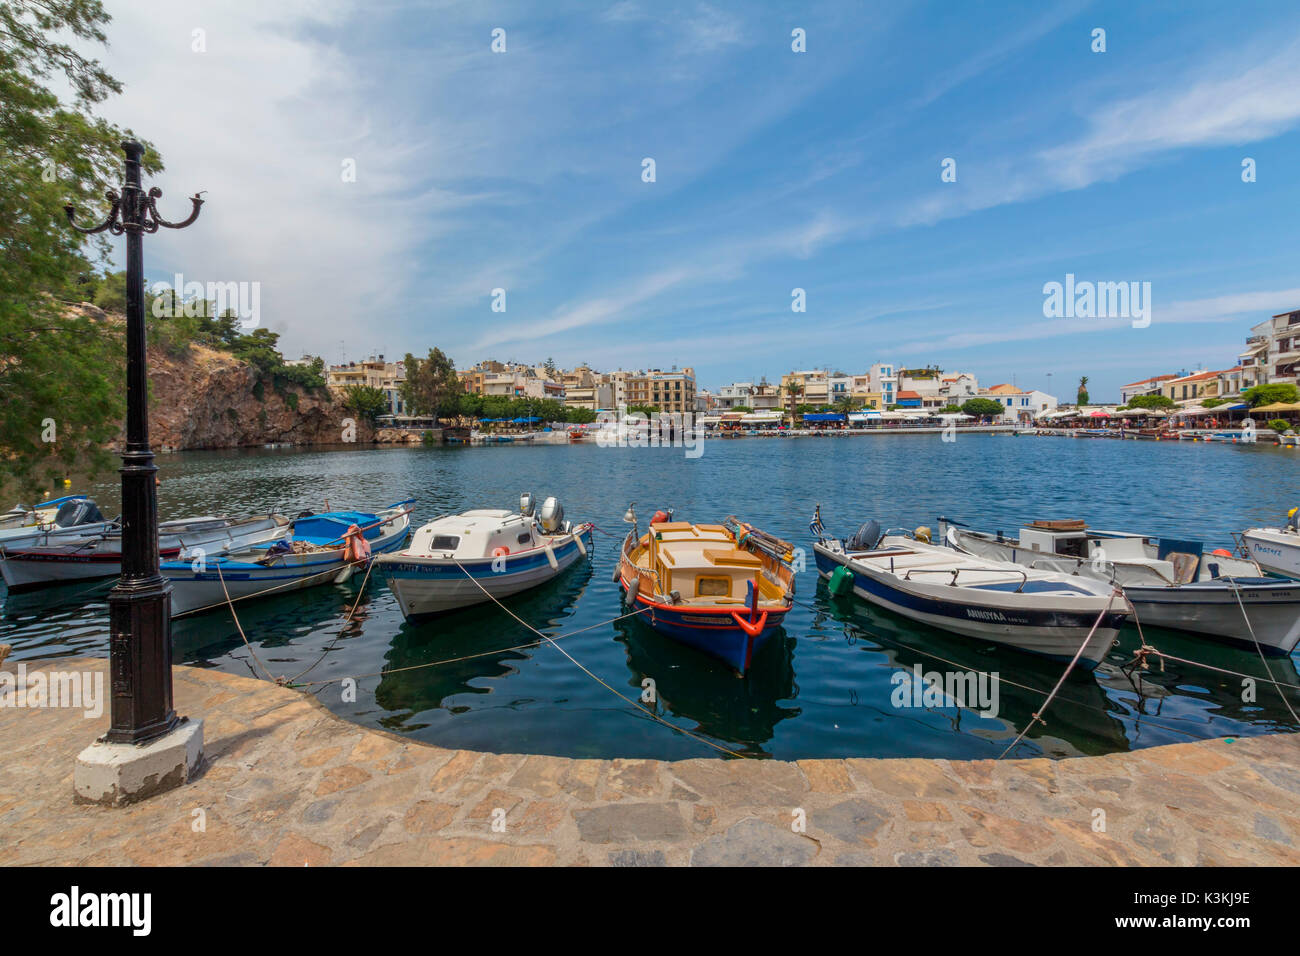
(1278, 407)
(823, 417)
(864, 416)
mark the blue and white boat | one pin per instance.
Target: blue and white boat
(463, 559)
(319, 548)
(1047, 613)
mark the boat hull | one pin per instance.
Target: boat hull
(1275, 551)
(204, 586)
(1054, 633)
(426, 587)
(1211, 609)
(713, 632)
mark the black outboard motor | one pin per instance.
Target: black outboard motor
(77, 512)
(866, 538)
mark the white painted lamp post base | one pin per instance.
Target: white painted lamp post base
(117, 774)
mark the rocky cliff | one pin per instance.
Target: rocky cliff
(210, 399)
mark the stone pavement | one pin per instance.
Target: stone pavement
(285, 782)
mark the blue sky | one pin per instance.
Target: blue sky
(820, 170)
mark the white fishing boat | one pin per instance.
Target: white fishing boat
(52, 521)
(1046, 613)
(86, 557)
(324, 548)
(463, 559)
(1276, 549)
(1170, 582)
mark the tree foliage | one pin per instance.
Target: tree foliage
(982, 407)
(1268, 394)
(58, 366)
(365, 400)
(1155, 401)
(432, 386)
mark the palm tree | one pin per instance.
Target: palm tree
(794, 390)
(1083, 390)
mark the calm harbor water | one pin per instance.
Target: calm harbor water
(822, 690)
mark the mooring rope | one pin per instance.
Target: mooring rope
(347, 620)
(1236, 592)
(1037, 717)
(595, 677)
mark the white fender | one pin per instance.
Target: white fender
(550, 558)
(582, 548)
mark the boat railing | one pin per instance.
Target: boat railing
(907, 575)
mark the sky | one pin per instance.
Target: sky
(922, 170)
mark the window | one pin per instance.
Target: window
(525, 538)
(712, 587)
(444, 542)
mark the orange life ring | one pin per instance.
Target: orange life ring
(500, 551)
(356, 547)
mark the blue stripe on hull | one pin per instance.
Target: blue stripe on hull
(1033, 619)
(725, 642)
(483, 567)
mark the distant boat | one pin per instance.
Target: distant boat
(89, 556)
(1047, 613)
(317, 549)
(1171, 583)
(723, 588)
(473, 557)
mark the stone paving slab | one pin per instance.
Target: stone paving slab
(285, 782)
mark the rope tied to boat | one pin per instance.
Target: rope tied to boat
(1036, 717)
(595, 677)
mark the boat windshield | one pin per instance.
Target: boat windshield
(444, 542)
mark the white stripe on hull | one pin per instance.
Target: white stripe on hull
(1060, 642)
(1274, 552)
(418, 596)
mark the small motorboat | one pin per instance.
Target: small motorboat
(50, 521)
(1171, 583)
(1047, 613)
(463, 559)
(1276, 549)
(315, 549)
(721, 588)
(88, 556)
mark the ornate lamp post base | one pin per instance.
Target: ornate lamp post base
(118, 774)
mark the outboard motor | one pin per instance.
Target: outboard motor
(526, 504)
(866, 538)
(551, 516)
(78, 512)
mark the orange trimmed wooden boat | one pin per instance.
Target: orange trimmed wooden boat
(721, 588)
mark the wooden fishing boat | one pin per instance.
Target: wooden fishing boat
(721, 588)
(319, 549)
(52, 521)
(483, 554)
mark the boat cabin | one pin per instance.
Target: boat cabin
(701, 563)
(476, 534)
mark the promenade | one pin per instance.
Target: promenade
(285, 782)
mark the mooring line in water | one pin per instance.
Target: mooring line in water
(469, 657)
(278, 587)
(240, 628)
(595, 677)
(880, 638)
(346, 622)
(1236, 592)
(1037, 717)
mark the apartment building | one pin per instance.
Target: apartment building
(1273, 351)
(375, 373)
(511, 381)
(671, 391)
(1147, 386)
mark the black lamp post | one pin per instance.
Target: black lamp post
(140, 646)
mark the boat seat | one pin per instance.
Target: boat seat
(1184, 566)
(732, 557)
(673, 526)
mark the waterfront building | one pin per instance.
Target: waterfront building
(671, 391)
(1189, 388)
(1273, 351)
(1018, 404)
(1147, 386)
(737, 393)
(884, 379)
(958, 388)
(373, 372)
(812, 386)
(511, 381)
